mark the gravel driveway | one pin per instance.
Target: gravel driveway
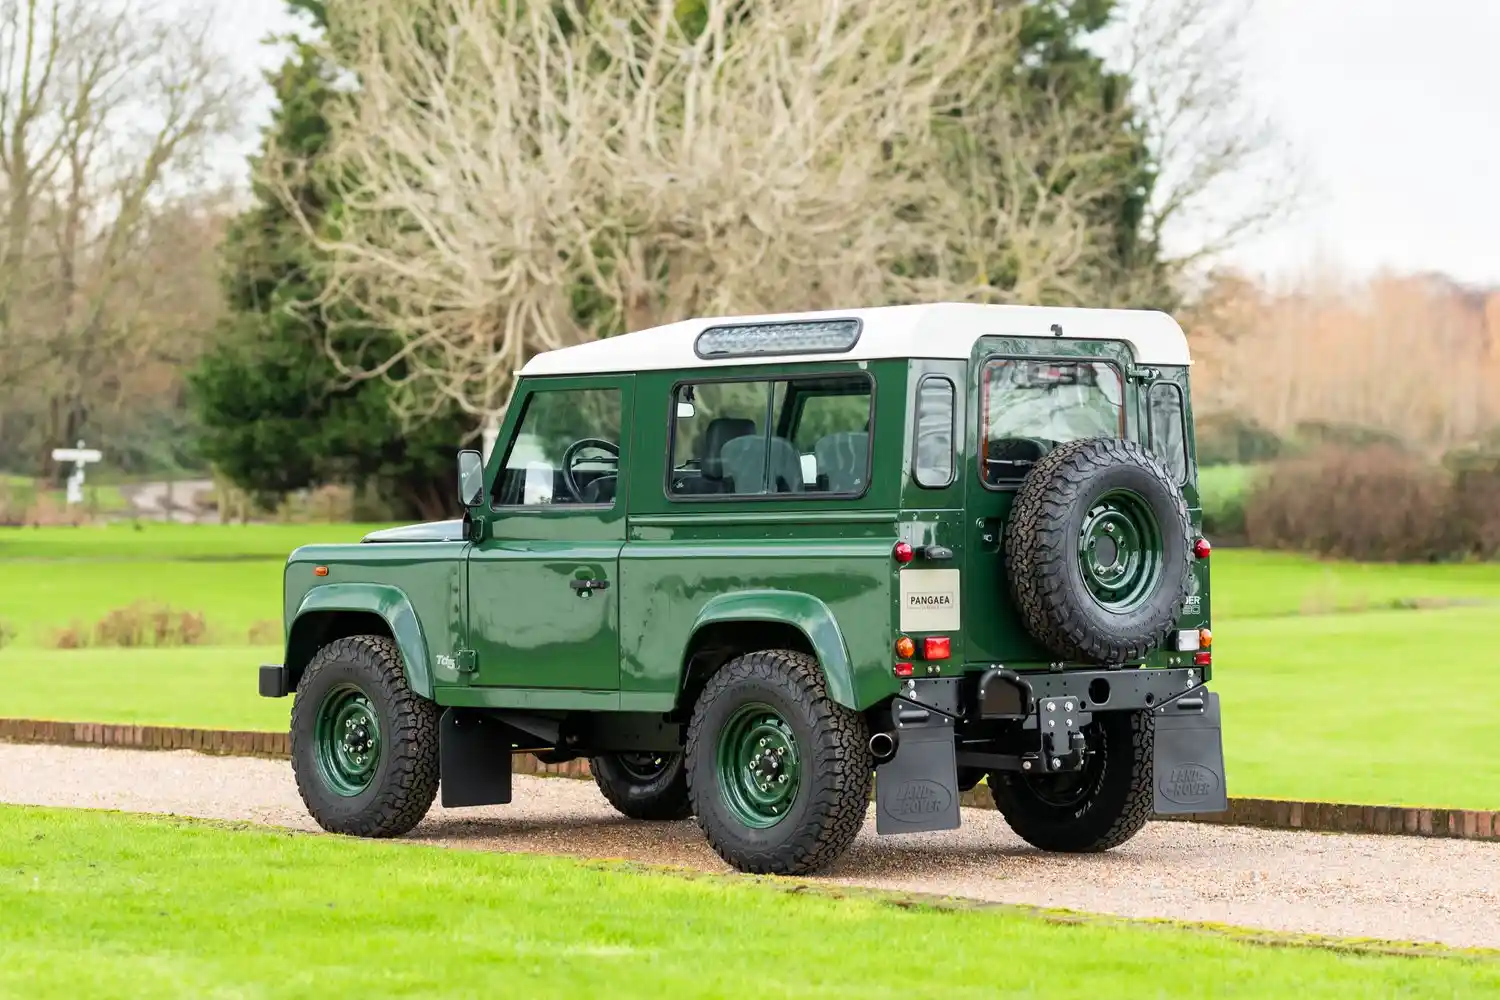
(1395, 888)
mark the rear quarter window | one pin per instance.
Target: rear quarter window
(1167, 423)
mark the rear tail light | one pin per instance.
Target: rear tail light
(1201, 548)
(903, 552)
(1203, 659)
(936, 647)
(903, 670)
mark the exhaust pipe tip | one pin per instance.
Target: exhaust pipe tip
(883, 746)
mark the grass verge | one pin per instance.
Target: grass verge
(210, 688)
(1352, 708)
(107, 905)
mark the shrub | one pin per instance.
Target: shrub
(1375, 503)
(142, 624)
(1311, 436)
(138, 624)
(266, 632)
(1232, 439)
(1222, 491)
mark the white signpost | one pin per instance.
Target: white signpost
(80, 457)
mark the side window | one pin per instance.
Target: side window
(717, 429)
(1029, 408)
(1168, 427)
(784, 436)
(932, 454)
(566, 450)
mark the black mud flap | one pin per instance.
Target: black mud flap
(916, 791)
(473, 759)
(1189, 760)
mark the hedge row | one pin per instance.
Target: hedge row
(1378, 503)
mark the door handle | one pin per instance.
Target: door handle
(586, 587)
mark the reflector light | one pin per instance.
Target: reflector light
(903, 552)
(320, 571)
(935, 647)
(1205, 638)
(1201, 548)
(813, 337)
(905, 648)
(1202, 659)
(903, 670)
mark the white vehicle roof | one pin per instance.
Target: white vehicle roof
(939, 330)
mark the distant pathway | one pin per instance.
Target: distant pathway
(151, 500)
(1395, 888)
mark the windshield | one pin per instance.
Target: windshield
(1031, 407)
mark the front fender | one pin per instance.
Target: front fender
(388, 603)
(804, 612)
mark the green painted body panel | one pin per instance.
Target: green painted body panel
(496, 623)
(416, 588)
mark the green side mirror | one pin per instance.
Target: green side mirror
(470, 478)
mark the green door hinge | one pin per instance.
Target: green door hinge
(468, 661)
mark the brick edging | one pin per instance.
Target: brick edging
(1275, 814)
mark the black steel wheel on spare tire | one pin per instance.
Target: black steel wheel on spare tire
(649, 786)
(364, 745)
(1098, 551)
(1098, 807)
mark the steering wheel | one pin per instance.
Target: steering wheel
(571, 455)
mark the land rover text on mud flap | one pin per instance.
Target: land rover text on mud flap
(746, 566)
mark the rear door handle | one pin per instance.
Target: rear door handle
(586, 587)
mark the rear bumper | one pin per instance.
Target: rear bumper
(937, 721)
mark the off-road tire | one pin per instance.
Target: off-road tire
(1042, 545)
(406, 778)
(664, 796)
(1117, 802)
(834, 789)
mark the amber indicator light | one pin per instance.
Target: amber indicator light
(905, 648)
(320, 571)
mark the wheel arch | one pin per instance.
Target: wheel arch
(732, 624)
(339, 610)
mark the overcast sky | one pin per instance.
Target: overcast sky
(1392, 106)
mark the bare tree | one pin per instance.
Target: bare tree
(515, 178)
(107, 118)
(519, 177)
(1225, 173)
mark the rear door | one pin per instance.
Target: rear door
(1027, 396)
(543, 582)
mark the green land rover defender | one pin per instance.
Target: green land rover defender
(748, 566)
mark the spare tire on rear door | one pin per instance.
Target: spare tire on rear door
(1098, 551)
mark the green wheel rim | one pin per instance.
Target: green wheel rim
(758, 765)
(347, 739)
(1120, 551)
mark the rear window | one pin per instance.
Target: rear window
(1029, 408)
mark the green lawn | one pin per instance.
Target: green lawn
(153, 541)
(105, 905)
(232, 596)
(1252, 584)
(1384, 708)
(212, 687)
(1325, 695)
